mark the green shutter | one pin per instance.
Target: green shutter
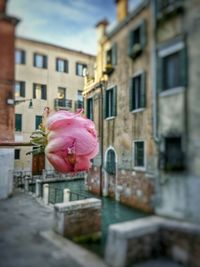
(38, 120)
(104, 104)
(183, 67)
(115, 101)
(22, 89)
(34, 59)
(143, 90)
(45, 62)
(18, 122)
(23, 57)
(44, 92)
(130, 42)
(159, 74)
(143, 34)
(34, 90)
(114, 54)
(131, 94)
(56, 64)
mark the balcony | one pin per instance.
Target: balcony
(79, 104)
(62, 104)
(109, 68)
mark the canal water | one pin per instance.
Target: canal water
(112, 212)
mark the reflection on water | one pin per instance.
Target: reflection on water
(112, 212)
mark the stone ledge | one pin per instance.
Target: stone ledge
(78, 204)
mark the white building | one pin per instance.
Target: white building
(50, 76)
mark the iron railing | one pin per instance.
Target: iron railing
(79, 104)
(62, 103)
(55, 195)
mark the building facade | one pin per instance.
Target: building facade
(119, 100)
(46, 75)
(177, 129)
(7, 74)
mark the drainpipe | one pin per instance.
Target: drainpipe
(101, 124)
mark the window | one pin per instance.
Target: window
(19, 89)
(111, 55)
(90, 108)
(110, 102)
(79, 102)
(172, 67)
(20, 56)
(163, 8)
(39, 91)
(173, 158)
(79, 68)
(17, 153)
(61, 93)
(139, 154)
(18, 122)
(137, 92)
(40, 61)
(171, 71)
(38, 121)
(137, 40)
(110, 162)
(61, 65)
(61, 101)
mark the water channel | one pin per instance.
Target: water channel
(112, 211)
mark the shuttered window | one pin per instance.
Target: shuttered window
(110, 102)
(172, 70)
(137, 39)
(90, 108)
(19, 89)
(39, 61)
(138, 92)
(17, 153)
(111, 55)
(61, 65)
(39, 91)
(20, 56)
(18, 122)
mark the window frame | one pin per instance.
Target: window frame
(163, 52)
(84, 65)
(22, 56)
(17, 153)
(65, 66)
(113, 113)
(139, 168)
(44, 60)
(43, 91)
(22, 88)
(142, 90)
(135, 49)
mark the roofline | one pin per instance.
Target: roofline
(13, 20)
(134, 13)
(53, 45)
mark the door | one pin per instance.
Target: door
(38, 164)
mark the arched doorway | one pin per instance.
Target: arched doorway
(110, 172)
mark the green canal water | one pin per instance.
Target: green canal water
(112, 212)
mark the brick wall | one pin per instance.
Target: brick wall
(7, 37)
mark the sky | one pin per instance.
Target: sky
(67, 23)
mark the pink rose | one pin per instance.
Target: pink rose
(72, 141)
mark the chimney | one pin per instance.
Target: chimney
(122, 9)
(3, 6)
(101, 28)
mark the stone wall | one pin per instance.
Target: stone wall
(78, 218)
(153, 238)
